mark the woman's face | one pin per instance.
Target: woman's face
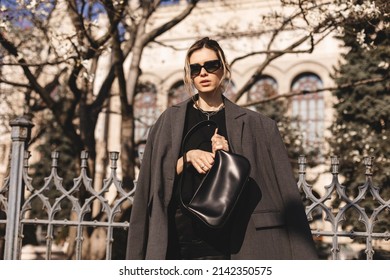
(206, 82)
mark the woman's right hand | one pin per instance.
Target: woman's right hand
(200, 160)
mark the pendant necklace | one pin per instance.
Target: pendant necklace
(210, 113)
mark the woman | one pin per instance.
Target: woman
(270, 223)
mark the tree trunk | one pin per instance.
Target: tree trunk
(127, 150)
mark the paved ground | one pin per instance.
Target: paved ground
(31, 252)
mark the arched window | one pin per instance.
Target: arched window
(308, 109)
(265, 87)
(177, 93)
(145, 112)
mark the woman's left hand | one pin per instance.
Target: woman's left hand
(219, 142)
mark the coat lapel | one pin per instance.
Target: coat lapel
(234, 125)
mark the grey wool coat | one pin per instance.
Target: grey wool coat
(276, 227)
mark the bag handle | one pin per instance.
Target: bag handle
(191, 132)
(184, 142)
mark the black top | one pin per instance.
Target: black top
(195, 116)
(200, 140)
(186, 236)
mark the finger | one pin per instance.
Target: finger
(206, 166)
(219, 145)
(216, 148)
(210, 159)
(202, 169)
(217, 138)
(207, 160)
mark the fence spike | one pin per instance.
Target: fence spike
(335, 163)
(54, 159)
(114, 156)
(84, 159)
(368, 161)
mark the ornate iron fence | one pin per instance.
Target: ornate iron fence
(335, 206)
(18, 196)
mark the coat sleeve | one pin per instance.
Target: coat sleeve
(139, 219)
(295, 217)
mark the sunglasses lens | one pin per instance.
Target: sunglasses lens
(195, 69)
(212, 66)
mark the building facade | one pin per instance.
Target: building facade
(241, 28)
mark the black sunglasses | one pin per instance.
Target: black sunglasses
(210, 66)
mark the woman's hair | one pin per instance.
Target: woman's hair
(208, 43)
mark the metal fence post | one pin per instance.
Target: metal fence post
(20, 134)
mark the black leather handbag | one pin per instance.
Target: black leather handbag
(213, 201)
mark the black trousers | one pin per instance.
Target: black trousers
(189, 240)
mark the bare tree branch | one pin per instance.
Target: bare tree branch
(15, 84)
(29, 75)
(151, 35)
(273, 56)
(307, 92)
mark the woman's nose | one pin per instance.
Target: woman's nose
(203, 72)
